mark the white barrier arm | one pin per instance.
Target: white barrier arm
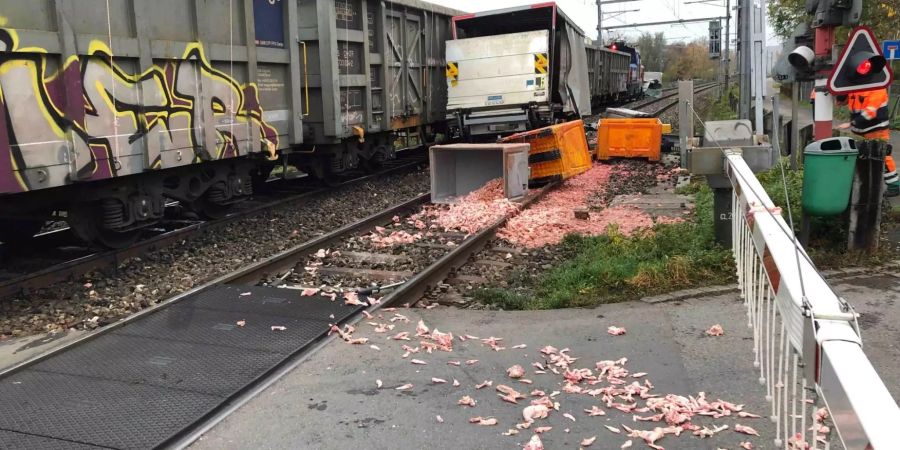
(802, 329)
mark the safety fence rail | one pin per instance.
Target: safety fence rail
(806, 339)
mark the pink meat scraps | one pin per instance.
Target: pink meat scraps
(474, 211)
(380, 240)
(650, 416)
(549, 220)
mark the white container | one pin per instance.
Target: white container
(458, 169)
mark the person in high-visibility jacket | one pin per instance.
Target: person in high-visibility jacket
(869, 119)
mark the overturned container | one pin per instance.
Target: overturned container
(557, 152)
(630, 138)
(458, 169)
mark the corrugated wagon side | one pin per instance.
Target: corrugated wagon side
(375, 77)
(608, 71)
(108, 107)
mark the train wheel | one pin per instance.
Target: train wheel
(380, 155)
(85, 221)
(17, 233)
(209, 209)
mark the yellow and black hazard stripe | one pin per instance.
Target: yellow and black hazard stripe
(541, 62)
(452, 72)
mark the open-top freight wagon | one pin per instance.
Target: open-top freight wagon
(521, 68)
(109, 108)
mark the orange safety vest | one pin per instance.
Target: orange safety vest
(869, 114)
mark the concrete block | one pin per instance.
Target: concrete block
(581, 213)
(690, 293)
(856, 270)
(658, 298)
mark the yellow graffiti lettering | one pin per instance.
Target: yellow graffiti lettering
(164, 112)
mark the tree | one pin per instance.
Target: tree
(881, 16)
(653, 51)
(689, 61)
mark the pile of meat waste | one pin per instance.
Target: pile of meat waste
(474, 211)
(468, 214)
(550, 219)
(650, 418)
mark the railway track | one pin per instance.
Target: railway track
(198, 342)
(56, 255)
(666, 97)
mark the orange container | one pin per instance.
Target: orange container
(557, 152)
(630, 138)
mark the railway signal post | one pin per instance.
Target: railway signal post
(861, 67)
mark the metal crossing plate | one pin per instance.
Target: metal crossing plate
(12, 440)
(209, 369)
(100, 412)
(212, 327)
(271, 301)
(143, 383)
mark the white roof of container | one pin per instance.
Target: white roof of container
(559, 12)
(428, 6)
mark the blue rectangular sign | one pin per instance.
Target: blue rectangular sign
(268, 16)
(891, 49)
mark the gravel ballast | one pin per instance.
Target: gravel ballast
(96, 299)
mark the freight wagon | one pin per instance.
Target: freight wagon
(521, 68)
(110, 108)
(608, 75)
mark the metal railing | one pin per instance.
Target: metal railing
(805, 337)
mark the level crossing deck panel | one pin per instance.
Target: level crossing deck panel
(143, 383)
(11, 439)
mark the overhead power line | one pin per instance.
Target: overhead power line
(667, 22)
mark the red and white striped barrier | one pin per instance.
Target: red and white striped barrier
(805, 337)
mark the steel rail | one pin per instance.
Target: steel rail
(670, 105)
(251, 274)
(113, 258)
(645, 103)
(410, 292)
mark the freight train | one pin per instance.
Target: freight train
(520, 68)
(111, 109)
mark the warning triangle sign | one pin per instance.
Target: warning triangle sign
(861, 66)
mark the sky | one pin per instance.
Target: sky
(584, 13)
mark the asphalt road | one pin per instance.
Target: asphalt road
(331, 401)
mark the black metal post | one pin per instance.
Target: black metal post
(866, 197)
(722, 211)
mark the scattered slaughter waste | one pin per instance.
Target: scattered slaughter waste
(652, 417)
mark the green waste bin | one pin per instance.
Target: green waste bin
(828, 167)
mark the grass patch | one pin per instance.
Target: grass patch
(724, 108)
(827, 246)
(669, 257)
(614, 267)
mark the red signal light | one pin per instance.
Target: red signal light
(864, 67)
(613, 47)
